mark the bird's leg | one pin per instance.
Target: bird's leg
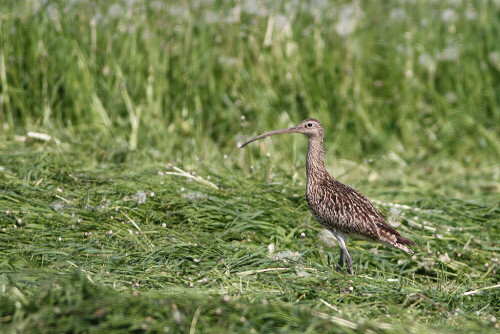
(344, 252)
(349, 262)
(341, 261)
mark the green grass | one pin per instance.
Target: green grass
(140, 214)
(81, 253)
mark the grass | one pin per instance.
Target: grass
(82, 251)
(140, 215)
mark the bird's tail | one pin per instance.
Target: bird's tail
(393, 238)
(403, 243)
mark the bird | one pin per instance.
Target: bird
(342, 210)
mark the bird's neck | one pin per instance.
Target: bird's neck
(315, 163)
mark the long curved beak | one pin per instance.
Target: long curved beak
(272, 133)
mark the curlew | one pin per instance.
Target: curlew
(339, 208)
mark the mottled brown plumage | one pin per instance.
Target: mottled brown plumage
(341, 209)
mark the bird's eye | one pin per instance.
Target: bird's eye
(309, 125)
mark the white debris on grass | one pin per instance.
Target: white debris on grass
(403, 206)
(347, 20)
(139, 197)
(450, 53)
(177, 315)
(398, 14)
(470, 14)
(449, 16)
(42, 136)
(282, 256)
(427, 61)
(427, 264)
(395, 211)
(180, 172)
(194, 196)
(303, 273)
(393, 221)
(57, 205)
(287, 255)
(444, 258)
(115, 11)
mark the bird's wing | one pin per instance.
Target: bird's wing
(354, 213)
(369, 222)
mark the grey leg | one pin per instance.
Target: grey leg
(349, 262)
(343, 251)
(341, 261)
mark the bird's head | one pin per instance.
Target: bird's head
(312, 128)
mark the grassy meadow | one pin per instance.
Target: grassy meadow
(126, 206)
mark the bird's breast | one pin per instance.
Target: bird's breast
(322, 205)
(329, 208)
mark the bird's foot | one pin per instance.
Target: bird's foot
(340, 265)
(351, 271)
(339, 268)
